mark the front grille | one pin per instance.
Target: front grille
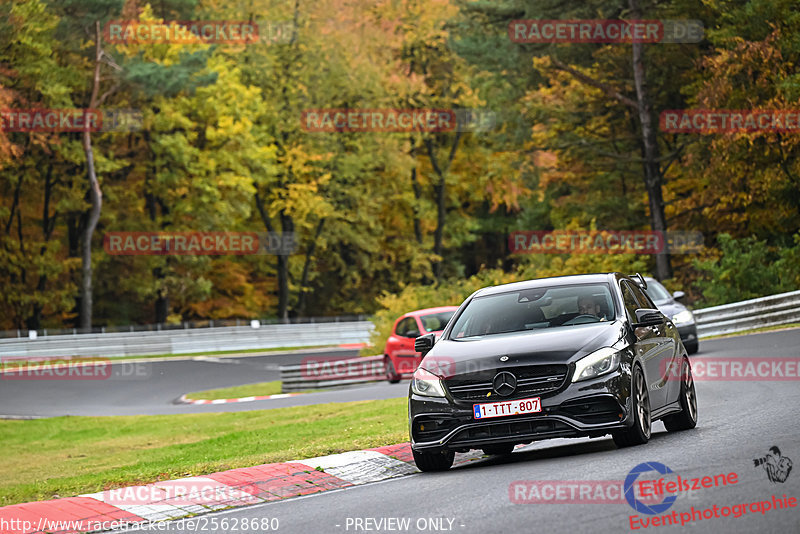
(531, 380)
(538, 428)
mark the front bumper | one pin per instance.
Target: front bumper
(590, 408)
(688, 333)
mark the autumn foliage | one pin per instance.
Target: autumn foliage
(385, 220)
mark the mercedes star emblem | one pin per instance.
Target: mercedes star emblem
(504, 383)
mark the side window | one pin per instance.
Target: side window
(407, 327)
(629, 300)
(643, 298)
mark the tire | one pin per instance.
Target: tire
(434, 461)
(391, 374)
(639, 432)
(499, 450)
(692, 347)
(686, 419)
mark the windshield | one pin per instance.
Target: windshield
(656, 291)
(535, 309)
(435, 321)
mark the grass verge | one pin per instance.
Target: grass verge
(237, 392)
(787, 326)
(67, 456)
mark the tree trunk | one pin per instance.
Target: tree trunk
(48, 225)
(301, 300)
(287, 225)
(440, 190)
(96, 196)
(652, 168)
(415, 208)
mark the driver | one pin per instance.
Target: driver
(589, 305)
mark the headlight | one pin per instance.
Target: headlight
(596, 364)
(426, 384)
(683, 317)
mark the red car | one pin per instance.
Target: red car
(399, 357)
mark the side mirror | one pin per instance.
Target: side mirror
(648, 317)
(424, 344)
(678, 295)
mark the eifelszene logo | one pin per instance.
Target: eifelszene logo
(636, 504)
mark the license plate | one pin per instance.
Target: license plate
(503, 409)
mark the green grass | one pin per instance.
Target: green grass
(755, 331)
(237, 392)
(66, 456)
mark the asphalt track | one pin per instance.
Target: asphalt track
(152, 387)
(738, 422)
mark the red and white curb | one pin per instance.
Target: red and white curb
(174, 499)
(184, 400)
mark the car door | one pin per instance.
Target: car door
(646, 342)
(671, 357)
(663, 352)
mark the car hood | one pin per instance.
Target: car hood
(560, 345)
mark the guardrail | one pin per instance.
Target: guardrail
(729, 318)
(189, 341)
(185, 325)
(774, 310)
(318, 373)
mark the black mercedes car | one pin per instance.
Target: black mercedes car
(571, 356)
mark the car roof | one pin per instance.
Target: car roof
(550, 282)
(439, 309)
